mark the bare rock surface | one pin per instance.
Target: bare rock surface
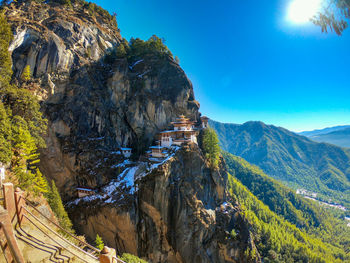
(180, 212)
(174, 211)
(93, 107)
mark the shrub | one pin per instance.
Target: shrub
(129, 258)
(26, 74)
(99, 242)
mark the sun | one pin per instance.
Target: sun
(301, 11)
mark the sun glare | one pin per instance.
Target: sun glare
(300, 11)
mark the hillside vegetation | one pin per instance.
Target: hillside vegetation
(293, 159)
(287, 228)
(22, 127)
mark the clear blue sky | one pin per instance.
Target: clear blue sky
(247, 61)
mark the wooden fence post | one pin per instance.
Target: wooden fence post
(107, 255)
(12, 251)
(20, 204)
(9, 199)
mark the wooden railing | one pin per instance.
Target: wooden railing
(17, 212)
(9, 244)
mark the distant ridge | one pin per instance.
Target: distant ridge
(338, 135)
(324, 131)
(293, 159)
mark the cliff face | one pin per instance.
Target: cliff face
(179, 212)
(93, 107)
(55, 38)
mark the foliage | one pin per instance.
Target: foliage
(334, 16)
(5, 135)
(99, 242)
(95, 10)
(286, 226)
(21, 123)
(211, 147)
(26, 74)
(121, 50)
(55, 202)
(153, 46)
(129, 258)
(278, 240)
(280, 199)
(137, 49)
(5, 58)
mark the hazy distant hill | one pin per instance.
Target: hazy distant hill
(324, 131)
(291, 158)
(339, 135)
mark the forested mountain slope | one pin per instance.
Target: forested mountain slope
(293, 159)
(288, 227)
(100, 92)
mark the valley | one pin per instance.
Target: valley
(109, 135)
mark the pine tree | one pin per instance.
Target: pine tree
(26, 74)
(40, 183)
(5, 57)
(121, 52)
(99, 242)
(57, 207)
(5, 136)
(211, 147)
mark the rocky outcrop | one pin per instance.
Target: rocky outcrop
(53, 38)
(177, 211)
(180, 212)
(93, 107)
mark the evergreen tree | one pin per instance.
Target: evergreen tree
(333, 16)
(40, 183)
(5, 57)
(57, 207)
(121, 52)
(21, 122)
(99, 242)
(5, 136)
(26, 74)
(211, 147)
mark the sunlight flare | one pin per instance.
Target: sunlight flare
(301, 11)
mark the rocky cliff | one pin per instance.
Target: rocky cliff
(175, 211)
(178, 211)
(93, 107)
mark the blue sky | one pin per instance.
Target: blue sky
(247, 61)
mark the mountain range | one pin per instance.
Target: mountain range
(338, 135)
(293, 159)
(100, 93)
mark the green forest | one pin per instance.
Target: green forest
(286, 227)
